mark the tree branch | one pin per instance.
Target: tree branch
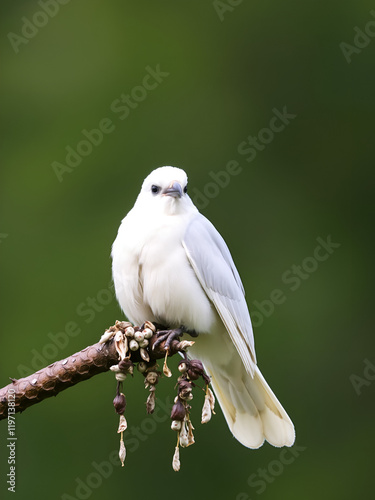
(82, 365)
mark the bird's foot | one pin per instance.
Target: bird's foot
(169, 335)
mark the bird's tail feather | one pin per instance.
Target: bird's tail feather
(251, 409)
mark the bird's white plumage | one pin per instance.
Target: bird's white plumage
(220, 280)
(171, 266)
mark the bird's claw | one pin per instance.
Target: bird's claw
(168, 336)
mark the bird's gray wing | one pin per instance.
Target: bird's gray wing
(212, 262)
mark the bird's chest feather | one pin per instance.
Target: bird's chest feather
(163, 283)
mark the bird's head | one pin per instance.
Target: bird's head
(165, 190)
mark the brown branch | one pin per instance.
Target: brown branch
(58, 376)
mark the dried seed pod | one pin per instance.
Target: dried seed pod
(176, 460)
(148, 333)
(119, 403)
(178, 411)
(139, 336)
(150, 325)
(122, 452)
(123, 425)
(195, 369)
(121, 344)
(185, 390)
(122, 325)
(182, 366)
(192, 374)
(120, 376)
(133, 345)
(167, 372)
(129, 331)
(126, 365)
(144, 354)
(206, 410)
(152, 378)
(211, 399)
(142, 366)
(143, 343)
(150, 403)
(108, 334)
(184, 439)
(176, 425)
(190, 433)
(184, 384)
(185, 344)
(196, 365)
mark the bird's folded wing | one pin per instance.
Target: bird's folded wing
(212, 262)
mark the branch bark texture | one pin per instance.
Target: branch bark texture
(61, 375)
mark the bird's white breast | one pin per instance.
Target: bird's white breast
(153, 277)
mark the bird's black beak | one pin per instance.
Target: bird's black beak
(174, 190)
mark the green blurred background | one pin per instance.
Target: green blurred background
(228, 68)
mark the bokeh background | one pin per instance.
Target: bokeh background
(226, 66)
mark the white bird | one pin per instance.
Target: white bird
(172, 267)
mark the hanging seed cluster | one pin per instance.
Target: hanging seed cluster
(191, 370)
(133, 347)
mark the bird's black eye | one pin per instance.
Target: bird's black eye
(155, 189)
(185, 189)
